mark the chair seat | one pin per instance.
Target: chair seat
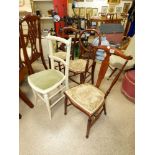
(79, 65)
(29, 53)
(87, 97)
(45, 79)
(60, 54)
(118, 61)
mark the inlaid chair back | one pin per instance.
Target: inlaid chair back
(31, 40)
(88, 98)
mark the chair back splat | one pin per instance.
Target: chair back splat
(31, 40)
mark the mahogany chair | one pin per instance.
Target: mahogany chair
(23, 72)
(32, 50)
(85, 65)
(88, 98)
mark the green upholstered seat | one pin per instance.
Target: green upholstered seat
(46, 79)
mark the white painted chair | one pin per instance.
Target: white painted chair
(50, 83)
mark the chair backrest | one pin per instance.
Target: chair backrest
(105, 64)
(70, 32)
(130, 50)
(31, 39)
(51, 41)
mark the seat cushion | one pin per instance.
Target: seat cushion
(79, 65)
(86, 96)
(60, 54)
(45, 79)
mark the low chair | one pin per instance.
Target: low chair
(88, 98)
(116, 62)
(50, 84)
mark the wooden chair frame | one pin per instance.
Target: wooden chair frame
(104, 66)
(33, 35)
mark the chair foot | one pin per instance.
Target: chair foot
(65, 105)
(88, 127)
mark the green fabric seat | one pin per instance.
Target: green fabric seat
(46, 79)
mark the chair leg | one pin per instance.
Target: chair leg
(82, 79)
(49, 62)
(48, 105)
(59, 66)
(35, 96)
(104, 108)
(25, 99)
(114, 70)
(88, 127)
(65, 105)
(92, 73)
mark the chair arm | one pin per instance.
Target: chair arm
(120, 54)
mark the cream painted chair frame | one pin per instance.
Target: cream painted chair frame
(62, 84)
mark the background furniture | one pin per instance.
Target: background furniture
(90, 99)
(128, 85)
(31, 41)
(50, 84)
(116, 62)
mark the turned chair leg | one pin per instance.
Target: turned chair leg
(88, 127)
(65, 105)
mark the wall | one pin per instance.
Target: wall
(26, 7)
(95, 4)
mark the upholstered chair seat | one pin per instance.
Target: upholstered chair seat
(79, 65)
(46, 79)
(84, 97)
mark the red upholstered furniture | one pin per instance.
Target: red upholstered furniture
(128, 85)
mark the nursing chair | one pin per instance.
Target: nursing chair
(88, 98)
(116, 62)
(30, 33)
(50, 84)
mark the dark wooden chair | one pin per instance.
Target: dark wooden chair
(23, 72)
(85, 65)
(31, 38)
(88, 98)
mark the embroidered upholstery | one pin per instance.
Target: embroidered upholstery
(83, 96)
(78, 65)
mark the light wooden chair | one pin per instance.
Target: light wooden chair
(50, 84)
(88, 98)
